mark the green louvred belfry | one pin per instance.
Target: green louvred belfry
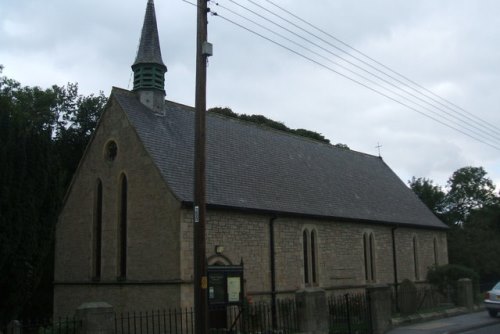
(149, 69)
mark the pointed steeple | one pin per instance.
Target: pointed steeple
(149, 69)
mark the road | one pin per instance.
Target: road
(467, 323)
(494, 329)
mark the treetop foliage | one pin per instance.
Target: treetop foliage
(262, 120)
(432, 195)
(470, 205)
(43, 133)
(467, 190)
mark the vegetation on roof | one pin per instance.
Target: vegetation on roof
(263, 120)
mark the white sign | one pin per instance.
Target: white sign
(233, 289)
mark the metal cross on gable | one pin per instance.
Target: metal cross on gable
(378, 147)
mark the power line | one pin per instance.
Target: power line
(354, 80)
(191, 3)
(481, 121)
(457, 121)
(464, 132)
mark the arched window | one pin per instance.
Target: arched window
(305, 238)
(369, 256)
(97, 232)
(372, 257)
(436, 259)
(313, 257)
(309, 244)
(415, 259)
(122, 244)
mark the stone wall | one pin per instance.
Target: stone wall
(152, 223)
(340, 255)
(123, 297)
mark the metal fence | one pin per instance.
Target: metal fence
(43, 326)
(422, 299)
(172, 321)
(349, 313)
(251, 318)
(259, 317)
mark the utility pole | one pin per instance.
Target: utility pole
(203, 50)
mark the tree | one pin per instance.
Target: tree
(74, 132)
(30, 190)
(432, 195)
(38, 129)
(472, 210)
(476, 243)
(468, 190)
(262, 120)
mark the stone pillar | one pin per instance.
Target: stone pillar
(14, 327)
(465, 295)
(96, 318)
(379, 298)
(312, 311)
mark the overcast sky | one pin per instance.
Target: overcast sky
(451, 47)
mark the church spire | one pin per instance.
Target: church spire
(149, 69)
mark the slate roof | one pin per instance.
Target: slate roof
(258, 168)
(149, 47)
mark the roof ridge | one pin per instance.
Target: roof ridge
(261, 126)
(180, 105)
(115, 89)
(294, 135)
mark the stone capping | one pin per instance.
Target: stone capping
(96, 318)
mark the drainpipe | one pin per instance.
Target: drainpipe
(395, 264)
(273, 272)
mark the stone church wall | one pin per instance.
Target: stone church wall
(153, 267)
(340, 251)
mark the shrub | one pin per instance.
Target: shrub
(447, 275)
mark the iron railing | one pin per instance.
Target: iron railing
(259, 317)
(250, 318)
(349, 313)
(422, 299)
(171, 321)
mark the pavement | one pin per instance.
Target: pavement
(451, 321)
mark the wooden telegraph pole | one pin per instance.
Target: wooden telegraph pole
(203, 51)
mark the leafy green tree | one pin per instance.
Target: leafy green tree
(448, 275)
(342, 146)
(471, 208)
(476, 243)
(469, 189)
(432, 195)
(79, 119)
(38, 129)
(262, 120)
(29, 190)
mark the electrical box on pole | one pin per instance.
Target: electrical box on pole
(207, 49)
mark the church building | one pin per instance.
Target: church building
(299, 213)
